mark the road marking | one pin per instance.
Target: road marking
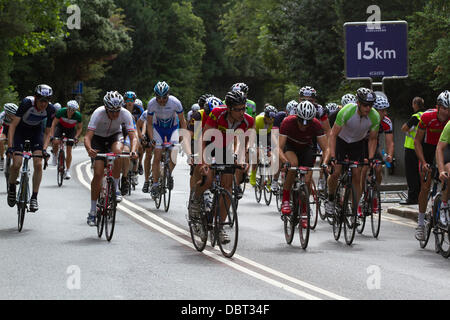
(214, 255)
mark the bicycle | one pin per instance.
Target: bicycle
(345, 208)
(432, 218)
(371, 202)
(165, 178)
(61, 164)
(132, 177)
(106, 204)
(23, 194)
(279, 193)
(7, 166)
(210, 219)
(301, 210)
(264, 181)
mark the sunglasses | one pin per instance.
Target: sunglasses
(162, 98)
(238, 109)
(129, 100)
(114, 111)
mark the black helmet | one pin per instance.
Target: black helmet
(366, 96)
(235, 98)
(201, 101)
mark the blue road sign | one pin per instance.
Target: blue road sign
(372, 52)
(78, 88)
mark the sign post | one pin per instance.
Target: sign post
(376, 52)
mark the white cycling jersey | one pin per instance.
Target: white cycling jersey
(105, 127)
(165, 116)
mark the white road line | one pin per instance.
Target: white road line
(211, 254)
(206, 252)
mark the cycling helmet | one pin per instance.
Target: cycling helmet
(195, 107)
(161, 89)
(201, 101)
(270, 111)
(381, 103)
(444, 99)
(139, 103)
(366, 96)
(129, 95)
(57, 106)
(332, 107)
(307, 92)
(235, 98)
(240, 86)
(290, 107)
(72, 104)
(211, 103)
(306, 111)
(10, 108)
(113, 101)
(43, 90)
(348, 98)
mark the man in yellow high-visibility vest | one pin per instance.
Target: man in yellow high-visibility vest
(411, 161)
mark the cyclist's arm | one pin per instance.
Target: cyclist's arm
(133, 140)
(373, 139)
(418, 145)
(79, 130)
(332, 142)
(54, 123)
(323, 143)
(182, 121)
(87, 143)
(282, 143)
(389, 141)
(440, 156)
(139, 128)
(150, 127)
(326, 127)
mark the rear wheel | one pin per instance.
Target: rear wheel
(110, 207)
(166, 190)
(338, 208)
(365, 210)
(267, 190)
(258, 189)
(198, 228)
(22, 202)
(350, 214)
(314, 205)
(375, 210)
(291, 220)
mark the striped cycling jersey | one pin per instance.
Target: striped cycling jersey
(67, 122)
(355, 127)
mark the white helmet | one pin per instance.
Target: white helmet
(11, 108)
(306, 111)
(444, 99)
(348, 98)
(72, 104)
(195, 107)
(139, 102)
(332, 107)
(113, 101)
(57, 106)
(290, 106)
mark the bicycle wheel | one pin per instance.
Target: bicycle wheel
(375, 211)
(130, 182)
(7, 166)
(60, 168)
(22, 201)
(350, 213)
(100, 217)
(258, 189)
(110, 207)
(338, 208)
(291, 220)
(314, 206)
(430, 221)
(158, 198)
(167, 191)
(267, 190)
(367, 196)
(445, 244)
(304, 216)
(229, 225)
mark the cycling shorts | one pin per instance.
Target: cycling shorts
(69, 132)
(104, 144)
(165, 134)
(34, 134)
(356, 151)
(305, 156)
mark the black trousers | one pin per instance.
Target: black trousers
(412, 173)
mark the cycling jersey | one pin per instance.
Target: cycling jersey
(445, 135)
(105, 127)
(321, 113)
(260, 124)
(136, 112)
(297, 139)
(279, 117)
(218, 119)
(386, 126)
(251, 107)
(165, 116)
(429, 122)
(5, 119)
(143, 116)
(355, 127)
(31, 116)
(64, 119)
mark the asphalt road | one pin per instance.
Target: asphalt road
(58, 256)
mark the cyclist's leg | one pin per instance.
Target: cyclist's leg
(174, 138)
(429, 153)
(158, 136)
(307, 159)
(70, 134)
(126, 161)
(100, 144)
(147, 163)
(227, 183)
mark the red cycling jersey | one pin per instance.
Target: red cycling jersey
(433, 127)
(296, 138)
(218, 119)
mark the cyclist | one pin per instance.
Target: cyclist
(27, 125)
(264, 121)
(308, 93)
(141, 150)
(194, 108)
(6, 117)
(431, 124)
(333, 110)
(348, 138)
(104, 135)
(136, 111)
(67, 121)
(297, 145)
(163, 112)
(443, 165)
(141, 127)
(232, 117)
(250, 104)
